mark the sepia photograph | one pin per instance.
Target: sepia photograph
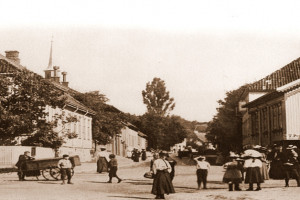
(149, 99)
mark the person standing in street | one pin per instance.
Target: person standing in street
(172, 163)
(102, 160)
(65, 166)
(202, 171)
(291, 165)
(21, 164)
(162, 183)
(233, 174)
(144, 155)
(113, 168)
(253, 172)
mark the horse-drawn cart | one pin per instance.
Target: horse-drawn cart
(47, 167)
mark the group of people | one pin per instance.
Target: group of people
(136, 154)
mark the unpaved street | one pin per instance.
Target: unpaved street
(90, 185)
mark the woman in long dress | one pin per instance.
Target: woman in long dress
(162, 183)
(253, 172)
(102, 161)
(233, 174)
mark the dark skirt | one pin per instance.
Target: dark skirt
(276, 170)
(233, 176)
(162, 184)
(102, 165)
(253, 175)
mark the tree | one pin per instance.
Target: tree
(24, 96)
(225, 130)
(107, 122)
(157, 98)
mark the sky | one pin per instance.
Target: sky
(201, 49)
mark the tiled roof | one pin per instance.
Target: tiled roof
(285, 75)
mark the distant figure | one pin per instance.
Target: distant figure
(21, 164)
(162, 183)
(202, 171)
(233, 174)
(102, 160)
(65, 166)
(113, 168)
(291, 165)
(172, 163)
(137, 156)
(144, 155)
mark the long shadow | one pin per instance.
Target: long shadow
(130, 197)
(47, 182)
(97, 182)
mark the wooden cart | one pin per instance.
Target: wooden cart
(48, 167)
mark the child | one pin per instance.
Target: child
(202, 171)
(233, 173)
(65, 166)
(113, 165)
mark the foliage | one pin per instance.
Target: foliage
(107, 122)
(225, 130)
(22, 107)
(157, 98)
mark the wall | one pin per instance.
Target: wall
(9, 155)
(292, 103)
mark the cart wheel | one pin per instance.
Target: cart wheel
(55, 173)
(46, 174)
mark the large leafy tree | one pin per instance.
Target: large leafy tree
(107, 122)
(225, 130)
(24, 97)
(157, 98)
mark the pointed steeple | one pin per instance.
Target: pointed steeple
(50, 67)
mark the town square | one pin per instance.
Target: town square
(139, 99)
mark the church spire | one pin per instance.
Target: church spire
(50, 58)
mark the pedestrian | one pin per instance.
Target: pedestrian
(102, 160)
(276, 157)
(253, 171)
(155, 157)
(172, 163)
(162, 183)
(144, 155)
(233, 174)
(202, 171)
(65, 166)
(291, 165)
(21, 164)
(113, 168)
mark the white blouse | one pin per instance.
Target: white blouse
(160, 164)
(104, 154)
(251, 163)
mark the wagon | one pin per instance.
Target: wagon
(48, 167)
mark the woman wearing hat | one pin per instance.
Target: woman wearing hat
(233, 174)
(162, 183)
(253, 171)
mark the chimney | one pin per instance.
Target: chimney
(13, 55)
(55, 77)
(65, 83)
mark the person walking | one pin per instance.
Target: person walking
(102, 160)
(65, 166)
(202, 171)
(291, 165)
(162, 183)
(253, 171)
(233, 174)
(113, 168)
(21, 164)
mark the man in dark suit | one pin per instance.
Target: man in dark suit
(21, 164)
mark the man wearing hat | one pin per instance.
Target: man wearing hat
(291, 165)
(65, 166)
(202, 171)
(21, 164)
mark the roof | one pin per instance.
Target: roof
(67, 91)
(201, 136)
(263, 99)
(142, 134)
(18, 66)
(283, 76)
